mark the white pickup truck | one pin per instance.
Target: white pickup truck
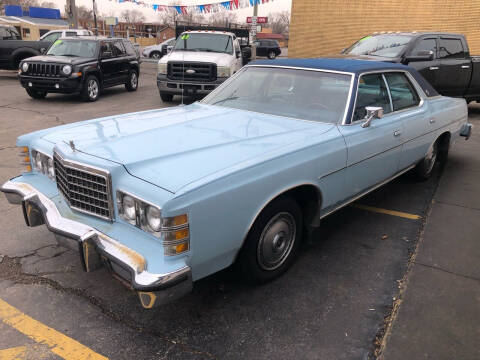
(199, 62)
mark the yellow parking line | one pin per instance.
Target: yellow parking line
(59, 344)
(388, 212)
(15, 353)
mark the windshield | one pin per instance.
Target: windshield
(302, 94)
(205, 42)
(388, 45)
(80, 48)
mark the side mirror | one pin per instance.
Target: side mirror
(43, 50)
(424, 55)
(373, 112)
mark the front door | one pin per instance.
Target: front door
(429, 69)
(108, 63)
(374, 151)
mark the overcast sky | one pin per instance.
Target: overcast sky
(111, 7)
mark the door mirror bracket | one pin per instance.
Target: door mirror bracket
(373, 112)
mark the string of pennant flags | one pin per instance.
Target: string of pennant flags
(200, 9)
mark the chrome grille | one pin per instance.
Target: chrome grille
(85, 189)
(177, 70)
(44, 69)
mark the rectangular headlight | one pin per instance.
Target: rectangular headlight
(43, 163)
(174, 231)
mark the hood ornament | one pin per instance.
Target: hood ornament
(72, 145)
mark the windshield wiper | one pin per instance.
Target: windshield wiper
(67, 55)
(209, 50)
(226, 99)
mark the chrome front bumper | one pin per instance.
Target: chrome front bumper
(97, 248)
(466, 130)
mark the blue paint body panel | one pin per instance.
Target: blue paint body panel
(222, 166)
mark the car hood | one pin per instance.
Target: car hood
(174, 147)
(221, 59)
(61, 59)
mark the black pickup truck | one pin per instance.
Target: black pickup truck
(442, 58)
(13, 49)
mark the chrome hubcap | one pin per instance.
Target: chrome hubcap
(156, 56)
(276, 241)
(134, 80)
(431, 158)
(92, 89)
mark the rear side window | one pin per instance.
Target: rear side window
(71, 33)
(372, 91)
(402, 91)
(425, 45)
(129, 47)
(451, 49)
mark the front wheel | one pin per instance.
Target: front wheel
(273, 242)
(166, 97)
(425, 167)
(132, 83)
(272, 55)
(155, 55)
(91, 89)
(36, 94)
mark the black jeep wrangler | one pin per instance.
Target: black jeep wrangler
(84, 65)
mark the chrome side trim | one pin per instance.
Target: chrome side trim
(356, 197)
(120, 254)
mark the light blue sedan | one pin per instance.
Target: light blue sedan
(166, 197)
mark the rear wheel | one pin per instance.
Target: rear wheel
(273, 242)
(36, 94)
(166, 97)
(132, 83)
(425, 167)
(272, 55)
(91, 89)
(155, 55)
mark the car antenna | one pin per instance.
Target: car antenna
(183, 66)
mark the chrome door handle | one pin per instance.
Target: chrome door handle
(431, 121)
(465, 67)
(433, 67)
(397, 133)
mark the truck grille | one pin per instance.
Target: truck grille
(42, 69)
(178, 70)
(85, 189)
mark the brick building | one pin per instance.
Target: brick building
(321, 27)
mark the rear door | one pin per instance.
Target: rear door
(454, 67)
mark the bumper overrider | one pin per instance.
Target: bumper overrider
(466, 130)
(98, 249)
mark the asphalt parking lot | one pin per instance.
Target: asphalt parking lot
(332, 304)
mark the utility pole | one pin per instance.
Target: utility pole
(95, 17)
(254, 32)
(71, 11)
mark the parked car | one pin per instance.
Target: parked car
(83, 65)
(13, 49)
(269, 48)
(157, 51)
(203, 57)
(169, 196)
(54, 35)
(442, 58)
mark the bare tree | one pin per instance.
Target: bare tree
(84, 13)
(223, 18)
(48, 4)
(132, 16)
(169, 15)
(279, 22)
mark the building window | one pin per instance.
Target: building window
(25, 33)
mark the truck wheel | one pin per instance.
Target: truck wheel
(36, 94)
(132, 83)
(272, 55)
(424, 168)
(166, 97)
(273, 241)
(91, 89)
(155, 55)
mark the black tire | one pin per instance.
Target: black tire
(273, 242)
(272, 55)
(155, 55)
(166, 97)
(132, 83)
(91, 89)
(424, 168)
(35, 94)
